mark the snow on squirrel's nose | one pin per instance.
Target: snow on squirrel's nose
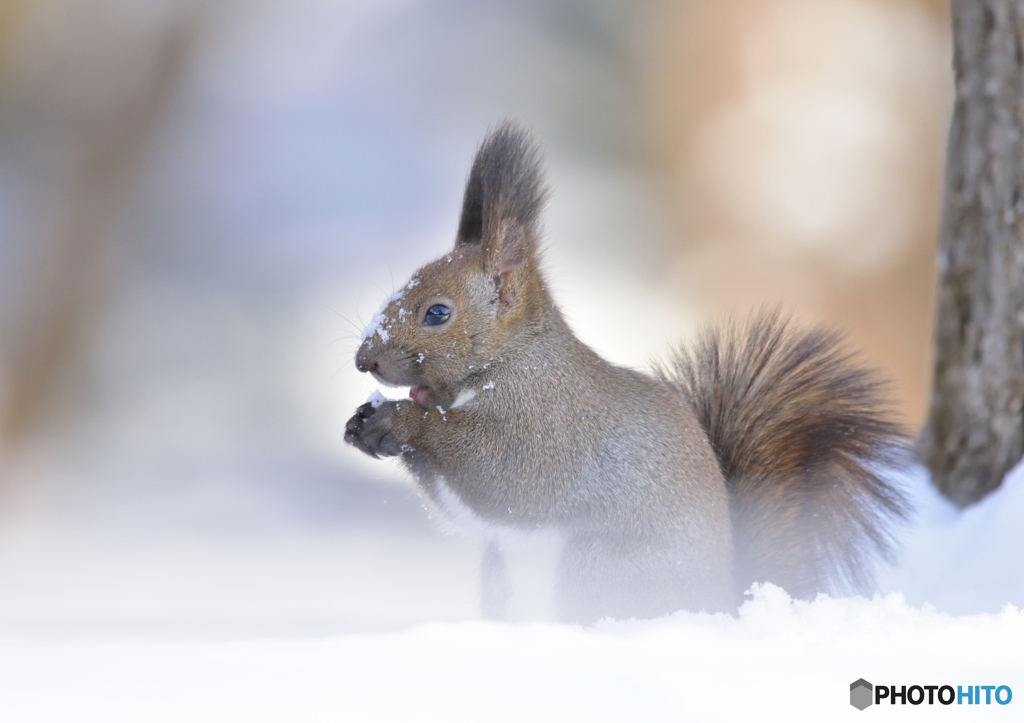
(365, 361)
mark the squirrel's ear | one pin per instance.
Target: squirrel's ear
(504, 197)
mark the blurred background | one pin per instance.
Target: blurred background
(201, 204)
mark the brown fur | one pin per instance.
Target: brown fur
(802, 436)
(627, 468)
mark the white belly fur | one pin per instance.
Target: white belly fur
(531, 558)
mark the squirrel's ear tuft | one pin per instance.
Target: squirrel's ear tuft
(504, 197)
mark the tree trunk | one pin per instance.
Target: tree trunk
(104, 138)
(975, 429)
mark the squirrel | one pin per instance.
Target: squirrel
(756, 455)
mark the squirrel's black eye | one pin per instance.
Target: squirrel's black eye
(436, 315)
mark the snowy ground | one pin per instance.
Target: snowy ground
(374, 620)
(963, 562)
(778, 661)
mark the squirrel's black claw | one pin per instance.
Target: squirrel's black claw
(369, 431)
(356, 425)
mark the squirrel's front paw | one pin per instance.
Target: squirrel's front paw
(372, 430)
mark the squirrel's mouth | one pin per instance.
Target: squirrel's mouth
(420, 394)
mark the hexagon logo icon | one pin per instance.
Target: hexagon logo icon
(860, 694)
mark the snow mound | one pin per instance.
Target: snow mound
(965, 561)
(778, 660)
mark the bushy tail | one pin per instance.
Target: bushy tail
(803, 438)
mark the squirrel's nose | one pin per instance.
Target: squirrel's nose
(363, 361)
